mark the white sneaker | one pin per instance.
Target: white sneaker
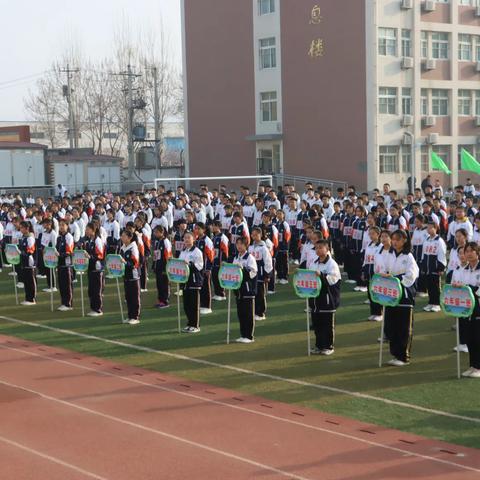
(194, 330)
(218, 298)
(327, 351)
(468, 372)
(20, 285)
(366, 302)
(283, 281)
(362, 289)
(356, 289)
(41, 276)
(179, 293)
(394, 362)
(12, 274)
(370, 318)
(296, 262)
(144, 290)
(133, 321)
(475, 373)
(64, 308)
(270, 293)
(27, 304)
(259, 318)
(205, 311)
(245, 340)
(186, 329)
(428, 308)
(436, 308)
(125, 320)
(50, 290)
(239, 340)
(461, 348)
(377, 318)
(350, 281)
(94, 314)
(422, 294)
(315, 351)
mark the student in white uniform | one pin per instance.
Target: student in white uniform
(371, 252)
(457, 277)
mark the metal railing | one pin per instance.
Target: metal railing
(298, 182)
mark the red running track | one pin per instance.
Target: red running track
(69, 416)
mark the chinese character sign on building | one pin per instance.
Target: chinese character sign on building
(457, 301)
(115, 266)
(230, 276)
(177, 271)
(317, 45)
(386, 291)
(307, 283)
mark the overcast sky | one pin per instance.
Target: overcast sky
(34, 33)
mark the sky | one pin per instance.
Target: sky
(35, 33)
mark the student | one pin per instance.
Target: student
(434, 262)
(271, 233)
(460, 221)
(262, 255)
(220, 247)
(193, 257)
(456, 277)
(399, 263)
(371, 252)
(357, 255)
(471, 277)
(95, 248)
(327, 302)
(48, 239)
(112, 227)
(64, 247)
(454, 260)
(205, 245)
(26, 245)
(335, 227)
(143, 228)
(131, 280)
(162, 251)
(238, 229)
(284, 237)
(246, 293)
(419, 235)
(178, 238)
(347, 242)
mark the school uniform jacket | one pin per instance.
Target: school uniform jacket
(65, 246)
(162, 251)
(470, 276)
(248, 289)
(205, 245)
(194, 258)
(371, 252)
(263, 257)
(26, 245)
(419, 237)
(284, 236)
(96, 249)
(434, 256)
(329, 297)
(220, 247)
(131, 256)
(456, 225)
(335, 226)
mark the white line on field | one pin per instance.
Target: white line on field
(177, 356)
(242, 409)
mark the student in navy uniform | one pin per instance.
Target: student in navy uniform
(131, 280)
(162, 251)
(246, 293)
(193, 257)
(112, 228)
(238, 229)
(26, 245)
(220, 247)
(335, 227)
(284, 238)
(48, 239)
(418, 235)
(399, 263)
(347, 231)
(327, 302)
(178, 242)
(434, 262)
(95, 249)
(271, 233)
(359, 231)
(144, 229)
(371, 251)
(65, 246)
(205, 245)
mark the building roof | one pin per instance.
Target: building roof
(22, 146)
(83, 158)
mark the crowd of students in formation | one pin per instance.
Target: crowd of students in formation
(266, 233)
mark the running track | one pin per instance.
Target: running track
(69, 416)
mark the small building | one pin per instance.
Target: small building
(80, 169)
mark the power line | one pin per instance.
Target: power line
(33, 75)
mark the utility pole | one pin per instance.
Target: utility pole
(67, 93)
(156, 118)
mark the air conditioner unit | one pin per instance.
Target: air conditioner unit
(477, 67)
(429, 121)
(406, 4)
(477, 121)
(429, 5)
(432, 138)
(407, 62)
(407, 139)
(430, 64)
(407, 121)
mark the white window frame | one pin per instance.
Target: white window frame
(269, 106)
(406, 42)
(266, 7)
(387, 97)
(465, 47)
(267, 53)
(440, 45)
(424, 104)
(464, 103)
(440, 102)
(387, 44)
(388, 159)
(424, 40)
(407, 101)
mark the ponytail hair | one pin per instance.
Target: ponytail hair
(95, 227)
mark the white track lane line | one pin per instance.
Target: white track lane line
(243, 409)
(51, 459)
(245, 371)
(157, 432)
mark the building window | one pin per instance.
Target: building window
(440, 102)
(387, 41)
(37, 135)
(268, 53)
(440, 45)
(477, 103)
(387, 100)
(266, 6)
(406, 159)
(465, 47)
(425, 159)
(406, 43)
(477, 48)
(112, 135)
(406, 101)
(424, 102)
(268, 106)
(465, 103)
(388, 159)
(424, 44)
(443, 151)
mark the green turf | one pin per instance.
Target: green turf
(280, 349)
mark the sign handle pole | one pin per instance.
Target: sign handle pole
(178, 309)
(120, 300)
(81, 293)
(15, 284)
(51, 289)
(458, 347)
(382, 333)
(307, 309)
(229, 315)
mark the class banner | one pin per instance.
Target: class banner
(50, 257)
(177, 271)
(386, 291)
(457, 301)
(12, 254)
(307, 283)
(230, 276)
(80, 260)
(115, 266)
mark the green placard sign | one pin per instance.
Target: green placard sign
(115, 266)
(80, 260)
(12, 254)
(307, 283)
(177, 271)
(230, 276)
(386, 291)
(457, 301)
(50, 257)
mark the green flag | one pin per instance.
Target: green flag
(436, 163)
(468, 162)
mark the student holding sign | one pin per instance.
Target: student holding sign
(64, 247)
(162, 251)
(246, 293)
(95, 248)
(401, 264)
(131, 280)
(457, 277)
(26, 245)
(327, 302)
(371, 252)
(191, 293)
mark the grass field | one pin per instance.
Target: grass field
(280, 350)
